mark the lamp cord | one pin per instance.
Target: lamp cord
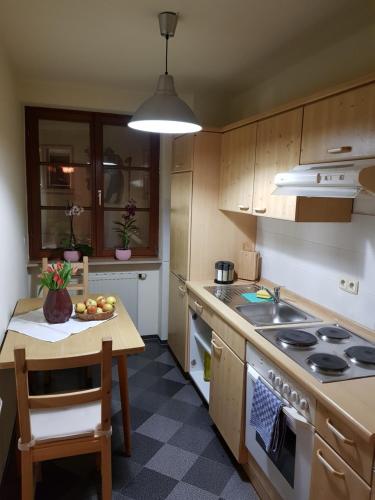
(166, 54)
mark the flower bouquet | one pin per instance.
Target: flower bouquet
(57, 307)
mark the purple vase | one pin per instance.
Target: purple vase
(123, 254)
(58, 307)
(72, 255)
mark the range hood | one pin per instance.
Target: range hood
(345, 179)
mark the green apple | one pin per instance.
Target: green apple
(80, 307)
(111, 300)
(107, 307)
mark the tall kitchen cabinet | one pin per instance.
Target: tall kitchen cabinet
(201, 234)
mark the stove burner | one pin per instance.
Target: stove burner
(327, 363)
(361, 354)
(296, 338)
(333, 334)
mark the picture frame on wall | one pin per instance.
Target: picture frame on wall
(59, 170)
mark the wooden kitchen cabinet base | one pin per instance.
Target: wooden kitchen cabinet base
(227, 396)
(332, 478)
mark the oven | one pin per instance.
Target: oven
(290, 471)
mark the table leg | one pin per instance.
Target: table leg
(122, 367)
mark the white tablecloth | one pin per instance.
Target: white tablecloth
(35, 325)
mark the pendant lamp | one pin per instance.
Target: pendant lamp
(165, 112)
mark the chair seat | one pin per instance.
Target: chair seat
(70, 421)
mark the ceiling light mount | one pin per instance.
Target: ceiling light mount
(167, 23)
(165, 112)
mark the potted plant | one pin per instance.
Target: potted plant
(57, 307)
(126, 229)
(72, 252)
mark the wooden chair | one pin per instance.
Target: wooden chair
(64, 424)
(82, 287)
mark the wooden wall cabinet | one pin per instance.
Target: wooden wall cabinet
(227, 388)
(177, 338)
(237, 169)
(340, 127)
(332, 478)
(277, 150)
(253, 155)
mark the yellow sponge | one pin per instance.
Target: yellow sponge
(263, 294)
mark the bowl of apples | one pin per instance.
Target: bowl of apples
(96, 309)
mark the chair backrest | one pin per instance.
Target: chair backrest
(26, 401)
(83, 286)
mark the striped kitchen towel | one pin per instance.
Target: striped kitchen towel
(267, 416)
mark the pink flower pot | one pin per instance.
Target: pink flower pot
(72, 255)
(58, 307)
(122, 254)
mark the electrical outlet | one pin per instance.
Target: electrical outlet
(352, 286)
(349, 285)
(343, 284)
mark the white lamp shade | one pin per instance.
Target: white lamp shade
(165, 112)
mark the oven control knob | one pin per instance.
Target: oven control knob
(271, 375)
(303, 404)
(278, 382)
(295, 397)
(286, 389)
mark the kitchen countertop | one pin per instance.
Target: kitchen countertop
(353, 399)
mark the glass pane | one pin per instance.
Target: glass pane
(140, 188)
(111, 239)
(116, 187)
(60, 185)
(56, 228)
(65, 142)
(125, 147)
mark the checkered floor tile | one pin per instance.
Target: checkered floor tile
(177, 452)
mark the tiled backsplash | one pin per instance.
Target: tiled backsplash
(310, 259)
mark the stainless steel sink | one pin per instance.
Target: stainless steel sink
(271, 313)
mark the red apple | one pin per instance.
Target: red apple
(91, 309)
(101, 302)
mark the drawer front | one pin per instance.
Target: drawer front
(233, 339)
(348, 443)
(332, 478)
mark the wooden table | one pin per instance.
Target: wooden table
(125, 340)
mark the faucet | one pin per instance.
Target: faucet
(275, 294)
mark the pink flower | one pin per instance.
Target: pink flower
(56, 278)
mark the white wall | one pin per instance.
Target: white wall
(310, 259)
(13, 254)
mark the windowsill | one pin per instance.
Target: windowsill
(108, 261)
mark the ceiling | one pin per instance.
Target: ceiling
(219, 44)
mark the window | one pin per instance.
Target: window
(95, 161)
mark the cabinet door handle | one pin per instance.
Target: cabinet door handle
(99, 197)
(244, 208)
(182, 289)
(260, 210)
(342, 149)
(337, 433)
(217, 348)
(198, 306)
(328, 466)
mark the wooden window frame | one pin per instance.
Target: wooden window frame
(96, 121)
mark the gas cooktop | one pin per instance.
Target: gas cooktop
(329, 352)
